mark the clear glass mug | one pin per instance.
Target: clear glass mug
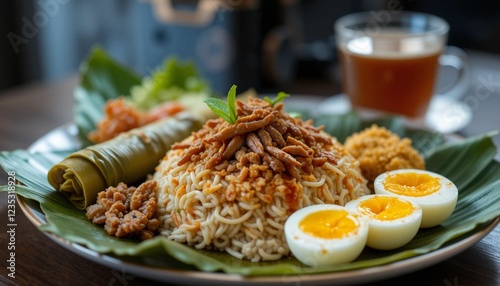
(390, 61)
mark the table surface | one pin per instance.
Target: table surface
(28, 112)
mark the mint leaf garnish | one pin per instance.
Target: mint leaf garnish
(280, 97)
(226, 110)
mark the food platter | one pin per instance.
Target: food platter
(65, 137)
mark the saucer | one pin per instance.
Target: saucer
(445, 115)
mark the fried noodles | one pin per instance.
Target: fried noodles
(231, 187)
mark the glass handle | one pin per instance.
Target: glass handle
(456, 58)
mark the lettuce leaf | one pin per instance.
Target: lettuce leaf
(168, 82)
(103, 78)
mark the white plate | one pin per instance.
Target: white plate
(65, 136)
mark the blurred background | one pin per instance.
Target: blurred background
(268, 45)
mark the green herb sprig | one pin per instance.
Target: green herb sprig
(226, 110)
(280, 97)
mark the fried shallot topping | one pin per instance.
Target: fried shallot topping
(287, 145)
(127, 211)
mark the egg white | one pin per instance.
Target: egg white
(389, 234)
(436, 207)
(314, 251)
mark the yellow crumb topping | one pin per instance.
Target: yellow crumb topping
(379, 150)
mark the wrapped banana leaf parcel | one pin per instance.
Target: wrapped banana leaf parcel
(127, 158)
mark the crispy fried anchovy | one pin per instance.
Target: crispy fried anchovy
(233, 146)
(253, 142)
(296, 150)
(265, 138)
(276, 136)
(293, 141)
(196, 148)
(274, 163)
(240, 128)
(282, 156)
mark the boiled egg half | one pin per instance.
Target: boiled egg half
(434, 193)
(325, 234)
(392, 221)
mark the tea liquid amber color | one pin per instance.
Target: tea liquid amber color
(390, 72)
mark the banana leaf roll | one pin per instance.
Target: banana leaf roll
(127, 158)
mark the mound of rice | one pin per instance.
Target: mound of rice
(231, 187)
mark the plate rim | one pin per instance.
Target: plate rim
(162, 274)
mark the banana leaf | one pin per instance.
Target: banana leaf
(469, 163)
(101, 78)
(344, 125)
(126, 158)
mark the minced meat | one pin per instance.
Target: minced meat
(127, 211)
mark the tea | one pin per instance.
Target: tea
(391, 71)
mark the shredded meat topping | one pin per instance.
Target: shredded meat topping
(285, 144)
(127, 211)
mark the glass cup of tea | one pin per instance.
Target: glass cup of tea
(390, 61)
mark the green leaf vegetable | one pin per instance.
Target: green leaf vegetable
(226, 110)
(280, 97)
(168, 82)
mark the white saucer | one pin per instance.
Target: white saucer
(445, 115)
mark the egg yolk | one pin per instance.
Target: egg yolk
(328, 224)
(385, 208)
(412, 184)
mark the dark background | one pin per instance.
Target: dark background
(268, 46)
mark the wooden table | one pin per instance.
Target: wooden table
(28, 112)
